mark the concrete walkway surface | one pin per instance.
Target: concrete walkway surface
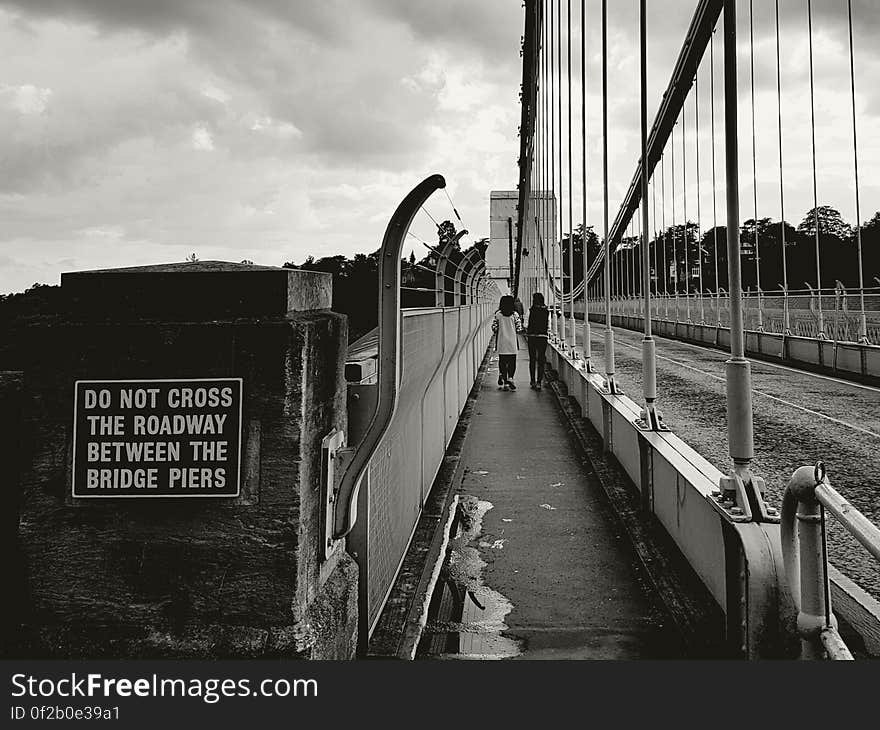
(538, 568)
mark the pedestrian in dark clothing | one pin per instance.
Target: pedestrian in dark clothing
(538, 331)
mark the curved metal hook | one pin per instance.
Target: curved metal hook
(389, 352)
(462, 274)
(440, 278)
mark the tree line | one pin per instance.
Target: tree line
(761, 242)
(356, 279)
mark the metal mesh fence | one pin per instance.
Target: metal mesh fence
(441, 349)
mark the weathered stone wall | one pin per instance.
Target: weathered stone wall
(238, 577)
(11, 564)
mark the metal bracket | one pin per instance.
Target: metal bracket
(651, 419)
(610, 387)
(739, 501)
(332, 447)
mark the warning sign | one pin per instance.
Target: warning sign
(157, 438)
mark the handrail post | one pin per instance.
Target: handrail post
(805, 557)
(811, 616)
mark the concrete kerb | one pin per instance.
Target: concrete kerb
(845, 359)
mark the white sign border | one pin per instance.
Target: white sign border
(77, 383)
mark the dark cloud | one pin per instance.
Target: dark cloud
(331, 69)
(194, 16)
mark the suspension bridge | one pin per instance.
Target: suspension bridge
(667, 494)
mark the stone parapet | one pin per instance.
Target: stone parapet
(195, 291)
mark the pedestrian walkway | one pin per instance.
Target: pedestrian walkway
(538, 569)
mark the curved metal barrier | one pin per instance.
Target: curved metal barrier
(437, 373)
(805, 554)
(407, 387)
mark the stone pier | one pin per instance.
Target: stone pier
(219, 577)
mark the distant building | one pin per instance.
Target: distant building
(539, 235)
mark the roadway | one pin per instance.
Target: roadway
(799, 418)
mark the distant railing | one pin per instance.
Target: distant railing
(805, 554)
(793, 313)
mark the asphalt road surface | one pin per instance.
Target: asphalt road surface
(799, 419)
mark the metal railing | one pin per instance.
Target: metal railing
(777, 312)
(807, 498)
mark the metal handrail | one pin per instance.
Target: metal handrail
(856, 524)
(805, 555)
(389, 353)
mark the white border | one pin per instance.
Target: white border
(76, 384)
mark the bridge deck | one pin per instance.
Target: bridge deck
(550, 574)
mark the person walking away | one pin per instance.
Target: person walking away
(537, 334)
(506, 326)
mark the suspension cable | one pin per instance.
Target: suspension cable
(649, 386)
(674, 242)
(714, 186)
(609, 334)
(655, 236)
(863, 325)
(754, 165)
(543, 171)
(572, 334)
(586, 329)
(786, 323)
(628, 278)
(821, 322)
(548, 141)
(699, 217)
(665, 233)
(539, 202)
(553, 141)
(561, 268)
(687, 271)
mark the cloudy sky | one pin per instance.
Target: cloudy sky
(140, 131)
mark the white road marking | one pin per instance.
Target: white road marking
(766, 395)
(840, 381)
